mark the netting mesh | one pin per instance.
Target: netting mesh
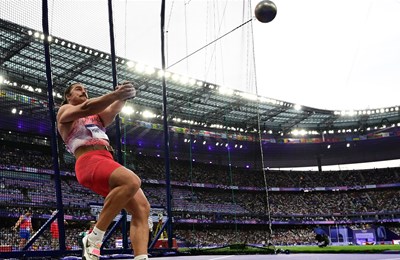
(24, 12)
(27, 169)
(26, 165)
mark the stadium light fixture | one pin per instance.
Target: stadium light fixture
(148, 114)
(149, 70)
(183, 80)
(127, 110)
(248, 96)
(175, 77)
(191, 82)
(225, 91)
(130, 64)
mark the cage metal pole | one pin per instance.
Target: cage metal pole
(52, 114)
(166, 132)
(117, 118)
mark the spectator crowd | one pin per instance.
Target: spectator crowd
(200, 195)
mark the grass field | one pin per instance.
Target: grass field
(245, 249)
(342, 249)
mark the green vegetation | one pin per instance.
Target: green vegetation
(246, 249)
(341, 249)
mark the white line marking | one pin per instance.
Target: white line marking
(222, 257)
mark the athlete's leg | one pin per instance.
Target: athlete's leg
(139, 208)
(123, 186)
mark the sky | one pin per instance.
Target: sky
(337, 55)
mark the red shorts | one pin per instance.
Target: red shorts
(93, 170)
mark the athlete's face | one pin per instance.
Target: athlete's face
(77, 95)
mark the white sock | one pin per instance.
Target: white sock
(141, 257)
(96, 235)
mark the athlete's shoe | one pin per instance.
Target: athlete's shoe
(141, 258)
(91, 251)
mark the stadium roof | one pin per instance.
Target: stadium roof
(190, 101)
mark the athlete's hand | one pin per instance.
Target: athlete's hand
(126, 90)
